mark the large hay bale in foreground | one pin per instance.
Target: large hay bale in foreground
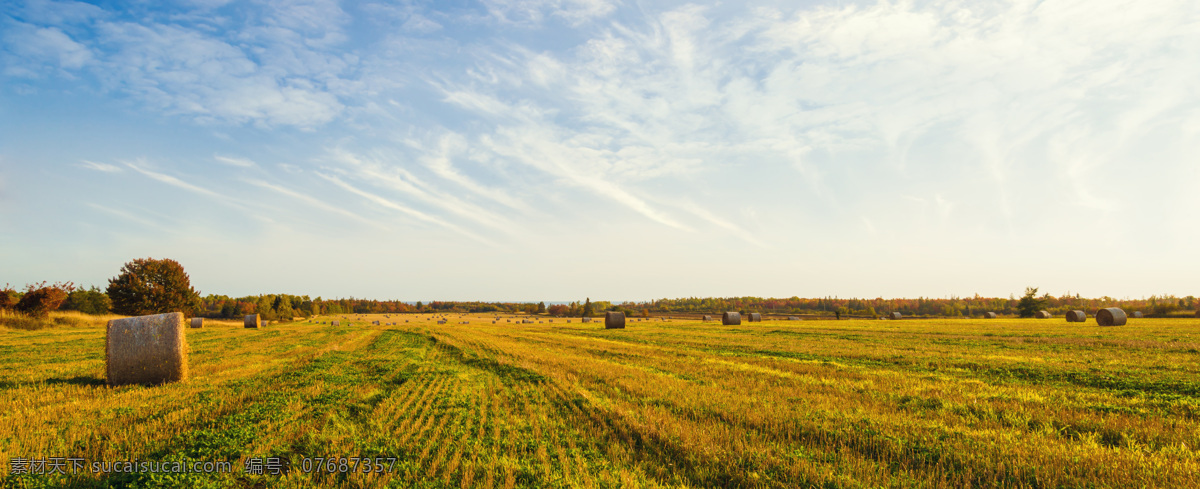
(754, 317)
(1137, 314)
(731, 318)
(252, 321)
(1076, 316)
(895, 315)
(1042, 315)
(146, 350)
(989, 315)
(197, 322)
(1110, 316)
(614, 320)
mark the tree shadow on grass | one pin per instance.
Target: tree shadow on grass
(76, 380)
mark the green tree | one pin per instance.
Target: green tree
(149, 286)
(1030, 304)
(587, 308)
(89, 301)
(541, 307)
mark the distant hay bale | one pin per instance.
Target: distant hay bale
(568, 321)
(1042, 315)
(732, 318)
(1076, 316)
(146, 350)
(793, 318)
(1137, 314)
(706, 318)
(614, 320)
(375, 323)
(895, 315)
(252, 321)
(1110, 316)
(989, 315)
(197, 323)
(585, 320)
(441, 321)
(337, 323)
(754, 317)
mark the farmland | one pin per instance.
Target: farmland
(857, 403)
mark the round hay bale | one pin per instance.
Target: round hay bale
(197, 323)
(1110, 316)
(706, 318)
(989, 315)
(1137, 314)
(1076, 316)
(895, 315)
(754, 317)
(146, 350)
(252, 321)
(336, 323)
(732, 318)
(1042, 315)
(614, 320)
(585, 320)
(793, 318)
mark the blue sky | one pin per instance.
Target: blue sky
(562, 149)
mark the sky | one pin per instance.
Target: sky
(552, 150)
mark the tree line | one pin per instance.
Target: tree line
(150, 286)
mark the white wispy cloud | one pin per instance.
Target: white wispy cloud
(104, 167)
(388, 204)
(234, 161)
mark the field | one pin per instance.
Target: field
(859, 403)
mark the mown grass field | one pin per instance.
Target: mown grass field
(911, 403)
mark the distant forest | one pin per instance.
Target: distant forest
(283, 306)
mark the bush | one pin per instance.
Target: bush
(40, 299)
(148, 286)
(8, 298)
(91, 301)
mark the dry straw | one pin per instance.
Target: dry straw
(793, 318)
(585, 320)
(1076, 316)
(706, 318)
(989, 315)
(1137, 314)
(337, 323)
(614, 320)
(197, 322)
(146, 350)
(1042, 315)
(1110, 316)
(252, 321)
(754, 317)
(895, 315)
(731, 318)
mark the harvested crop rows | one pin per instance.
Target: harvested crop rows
(930, 403)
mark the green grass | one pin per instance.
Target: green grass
(937, 403)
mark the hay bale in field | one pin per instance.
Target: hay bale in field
(754, 317)
(252, 321)
(614, 320)
(568, 321)
(146, 350)
(585, 320)
(337, 323)
(376, 323)
(895, 315)
(1043, 315)
(793, 318)
(989, 315)
(732, 318)
(441, 321)
(1076, 316)
(1110, 316)
(1137, 314)
(706, 318)
(197, 323)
